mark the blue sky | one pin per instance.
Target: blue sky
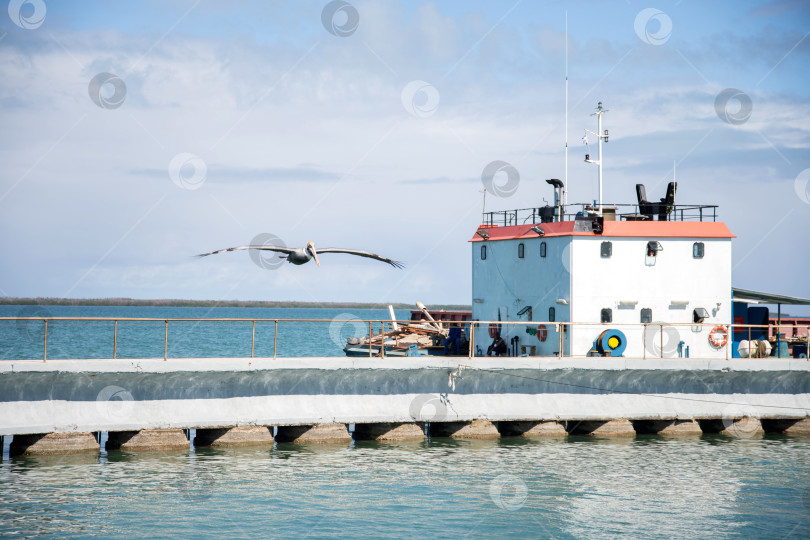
(290, 130)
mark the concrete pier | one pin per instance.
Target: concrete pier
(235, 436)
(314, 434)
(530, 429)
(53, 443)
(476, 429)
(147, 440)
(599, 428)
(799, 427)
(673, 428)
(388, 431)
(212, 393)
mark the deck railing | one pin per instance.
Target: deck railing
(660, 340)
(523, 216)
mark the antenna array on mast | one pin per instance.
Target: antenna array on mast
(599, 137)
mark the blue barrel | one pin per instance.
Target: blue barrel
(780, 349)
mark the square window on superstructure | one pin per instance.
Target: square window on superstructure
(697, 250)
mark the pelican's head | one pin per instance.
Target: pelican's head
(311, 250)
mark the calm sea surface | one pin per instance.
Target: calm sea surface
(651, 487)
(193, 339)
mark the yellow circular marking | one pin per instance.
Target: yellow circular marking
(613, 342)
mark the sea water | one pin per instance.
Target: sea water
(579, 487)
(648, 487)
(25, 339)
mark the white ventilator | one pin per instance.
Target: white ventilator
(421, 306)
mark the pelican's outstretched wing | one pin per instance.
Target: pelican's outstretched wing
(280, 249)
(395, 264)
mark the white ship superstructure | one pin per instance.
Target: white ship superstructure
(650, 278)
(625, 274)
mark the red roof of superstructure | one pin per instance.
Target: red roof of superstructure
(630, 229)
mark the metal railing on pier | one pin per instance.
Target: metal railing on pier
(100, 337)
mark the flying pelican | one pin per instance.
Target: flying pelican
(304, 254)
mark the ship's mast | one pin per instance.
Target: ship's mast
(599, 137)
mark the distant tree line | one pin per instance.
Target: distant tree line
(210, 303)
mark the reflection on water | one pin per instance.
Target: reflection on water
(648, 486)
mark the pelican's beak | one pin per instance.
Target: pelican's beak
(311, 247)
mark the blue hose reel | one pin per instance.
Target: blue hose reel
(610, 343)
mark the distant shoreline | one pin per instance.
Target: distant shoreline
(9, 301)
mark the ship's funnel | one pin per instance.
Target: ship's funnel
(559, 197)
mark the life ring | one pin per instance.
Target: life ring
(542, 332)
(493, 330)
(722, 339)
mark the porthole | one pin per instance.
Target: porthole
(543, 249)
(646, 315)
(607, 315)
(552, 314)
(483, 253)
(520, 250)
(607, 249)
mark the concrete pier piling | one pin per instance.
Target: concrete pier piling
(235, 436)
(799, 427)
(314, 434)
(670, 428)
(743, 427)
(147, 440)
(746, 427)
(53, 443)
(531, 429)
(476, 429)
(388, 432)
(601, 428)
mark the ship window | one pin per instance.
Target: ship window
(607, 249)
(607, 315)
(699, 315)
(551, 314)
(542, 249)
(646, 315)
(653, 248)
(520, 250)
(483, 253)
(697, 250)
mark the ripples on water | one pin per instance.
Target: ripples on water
(646, 487)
